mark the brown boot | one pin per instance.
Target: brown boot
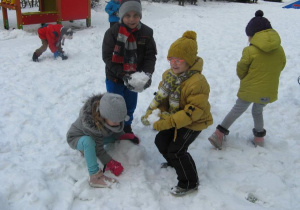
(35, 57)
(100, 180)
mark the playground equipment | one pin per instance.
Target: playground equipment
(294, 5)
(49, 11)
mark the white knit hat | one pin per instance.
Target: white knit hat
(113, 107)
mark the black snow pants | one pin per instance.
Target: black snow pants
(175, 152)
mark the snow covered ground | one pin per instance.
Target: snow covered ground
(39, 101)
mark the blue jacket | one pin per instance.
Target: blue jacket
(113, 7)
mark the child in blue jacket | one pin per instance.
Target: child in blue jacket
(112, 9)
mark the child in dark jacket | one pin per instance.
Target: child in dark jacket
(182, 98)
(102, 116)
(259, 71)
(128, 48)
(52, 36)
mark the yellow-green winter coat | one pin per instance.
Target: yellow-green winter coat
(194, 110)
(260, 67)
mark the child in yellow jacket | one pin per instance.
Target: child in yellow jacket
(183, 99)
(259, 71)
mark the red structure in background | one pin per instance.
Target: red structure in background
(49, 11)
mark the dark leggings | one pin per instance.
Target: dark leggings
(175, 152)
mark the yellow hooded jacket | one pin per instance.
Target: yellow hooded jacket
(194, 110)
(260, 67)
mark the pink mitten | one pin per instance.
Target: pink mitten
(115, 167)
(131, 137)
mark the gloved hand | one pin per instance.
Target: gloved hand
(57, 54)
(60, 54)
(144, 118)
(126, 79)
(131, 137)
(114, 166)
(148, 83)
(115, 14)
(164, 114)
(166, 122)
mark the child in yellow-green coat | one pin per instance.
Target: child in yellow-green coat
(259, 71)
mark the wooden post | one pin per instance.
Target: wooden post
(41, 6)
(19, 14)
(58, 9)
(88, 20)
(5, 18)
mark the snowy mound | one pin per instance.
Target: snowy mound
(126, 152)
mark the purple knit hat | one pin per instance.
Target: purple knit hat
(258, 23)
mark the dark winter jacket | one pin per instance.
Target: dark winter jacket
(85, 126)
(51, 33)
(112, 9)
(260, 67)
(146, 52)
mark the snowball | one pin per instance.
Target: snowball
(138, 81)
(154, 116)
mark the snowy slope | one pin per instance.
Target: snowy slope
(39, 101)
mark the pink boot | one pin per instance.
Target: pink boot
(259, 137)
(100, 180)
(216, 139)
(259, 141)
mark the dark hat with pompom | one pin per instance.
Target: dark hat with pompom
(258, 23)
(185, 47)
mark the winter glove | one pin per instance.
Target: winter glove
(57, 54)
(148, 83)
(164, 114)
(144, 118)
(131, 137)
(126, 79)
(166, 122)
(114, 166)
(60, 54)
(35, 57)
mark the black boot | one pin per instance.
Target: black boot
(35, 57)
(64, 57)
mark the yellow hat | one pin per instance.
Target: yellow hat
(185, 47)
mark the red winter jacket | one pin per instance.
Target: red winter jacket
(51, 33)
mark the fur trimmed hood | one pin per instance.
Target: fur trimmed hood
(86, 113)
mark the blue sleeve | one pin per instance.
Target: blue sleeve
(108, 8)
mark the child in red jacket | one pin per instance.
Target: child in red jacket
(54, 36)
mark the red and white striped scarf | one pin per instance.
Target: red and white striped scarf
(125, 50)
